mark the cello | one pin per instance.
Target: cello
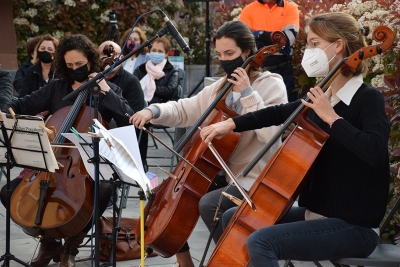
(280, 181)
(60, 204)
(172, 215)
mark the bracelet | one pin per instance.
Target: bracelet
(335, 119)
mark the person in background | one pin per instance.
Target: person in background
(77, 60)
(130, 86)
(21, 72)
(266, 16)
(159, 80)
(136, 38)
(345, 195)
(6, 89)
(42, 71)
(252, 90)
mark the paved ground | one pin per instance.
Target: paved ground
(22, 245)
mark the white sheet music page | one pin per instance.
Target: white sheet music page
(86, 151)
(114, 149)
(26, 148)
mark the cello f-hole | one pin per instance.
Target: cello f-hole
(69, 167)
(181, 173)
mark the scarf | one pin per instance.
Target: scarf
(154, 72)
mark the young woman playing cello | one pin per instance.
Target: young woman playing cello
(77, 60)
(346, 193)
(252, 91)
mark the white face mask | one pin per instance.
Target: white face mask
(315, 62)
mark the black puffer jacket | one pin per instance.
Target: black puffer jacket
(6, 89)
(34, 80)
(166, 87)
(20, 75)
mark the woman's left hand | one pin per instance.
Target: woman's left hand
(320, 104)
(242, 79)
(104, 88)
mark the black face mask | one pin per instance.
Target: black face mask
(45, 56)
(230, 66)
(80, 74)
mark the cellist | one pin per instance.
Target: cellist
(345, 197)
(77, 60)
(252, 90)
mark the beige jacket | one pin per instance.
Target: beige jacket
(268, 90)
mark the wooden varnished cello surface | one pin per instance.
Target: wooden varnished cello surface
(173, 213)
(68, 193)
(279, 184)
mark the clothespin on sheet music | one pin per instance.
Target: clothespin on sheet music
(109, 144)
(12, 113)
(47, 130)
(74, 131)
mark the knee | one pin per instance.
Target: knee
(203, 206)
(3, 195)
(227, 216)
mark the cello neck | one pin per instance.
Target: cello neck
(70, 119)
(181, 144)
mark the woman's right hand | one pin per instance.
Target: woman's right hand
(217, 130)
(139, 119)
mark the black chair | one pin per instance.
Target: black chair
(384, 255)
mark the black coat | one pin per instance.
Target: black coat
(166, 87)
(34, 80)
(49, 97)
(20, 75)
(5, 89)
(131, 89)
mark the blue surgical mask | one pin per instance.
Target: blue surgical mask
(156, 58)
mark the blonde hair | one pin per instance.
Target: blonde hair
(339, 25)
(47, 37)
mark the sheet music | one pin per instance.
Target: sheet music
(26, 148)
(86, 152)
(118, 154)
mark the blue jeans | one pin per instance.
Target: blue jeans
(313, 240)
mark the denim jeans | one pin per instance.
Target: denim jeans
(312, 240)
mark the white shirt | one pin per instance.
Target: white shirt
(130, 64)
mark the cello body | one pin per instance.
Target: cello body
(280, 182)
(68, 204)
(273, 192)
(174, 211)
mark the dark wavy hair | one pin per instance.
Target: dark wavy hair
(80, 43)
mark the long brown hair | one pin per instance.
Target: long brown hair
(244, 39)
(339, 25)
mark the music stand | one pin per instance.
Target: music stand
(7, 145)
(115, 161)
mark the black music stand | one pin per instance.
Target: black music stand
(6, 144)
(106, 169)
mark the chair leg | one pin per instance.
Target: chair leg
(288, 263)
